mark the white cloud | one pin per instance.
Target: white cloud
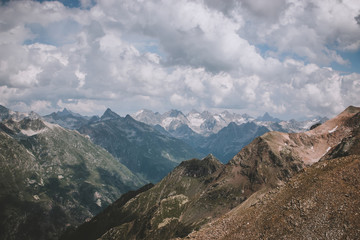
(83, 106)
(248, 55)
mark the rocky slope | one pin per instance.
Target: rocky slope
(321, 202)
(198, 191)
(52, 178)
(168, 209)
(140, 147)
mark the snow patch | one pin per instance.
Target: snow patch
(97, 199)
(97, 195)
(166, 122)
(217, 118)
(98, 202)
(138, 113)
(30, 132)
(333, 130)
(195, 120)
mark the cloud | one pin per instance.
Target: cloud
(251, 56)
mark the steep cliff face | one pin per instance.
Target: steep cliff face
(52, 178)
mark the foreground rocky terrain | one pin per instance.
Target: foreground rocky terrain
(321, 202)
(200, 192)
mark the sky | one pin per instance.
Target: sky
(291, 58)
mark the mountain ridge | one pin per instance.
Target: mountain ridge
(185, 199)
(52, 178)
(140, 147)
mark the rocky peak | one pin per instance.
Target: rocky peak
(4, 109)
(175, 113)
(128, 118)
(4, 113)
(267, 118)
(200, 168)
(193, 111)
(64, 112)
(109, 114)
(352, 109)
(33, 124)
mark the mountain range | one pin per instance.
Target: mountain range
(147, 152)
(62, 169)
(280, 186)
(52, 178)
(207, 123)
(144, 150)
(223, 134)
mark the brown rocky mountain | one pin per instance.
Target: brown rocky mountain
(200, 191)
(321, 202)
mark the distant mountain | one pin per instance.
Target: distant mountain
(109, 114)
(140, 147)
(301, 126)
(68, 119)
(6, 113)
(207, 123)
(199, 191)
(204, 123)
(52, 178)
(230, 140)
(267, 118)
(148, 117)
(149, 151)
(223, 134)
